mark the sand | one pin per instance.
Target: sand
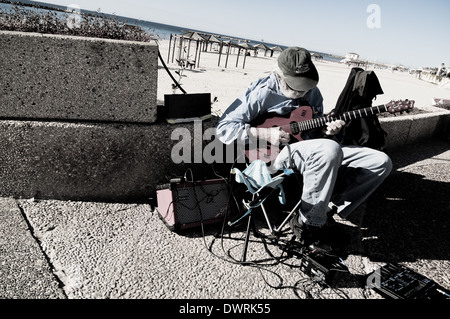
(226, 84)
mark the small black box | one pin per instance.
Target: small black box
(321, 266)
(179, 108)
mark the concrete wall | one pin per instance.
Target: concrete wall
(77, 78)
(112, 162)
(410, 129)
(78, 119)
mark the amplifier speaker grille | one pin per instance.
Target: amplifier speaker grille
(186, 205)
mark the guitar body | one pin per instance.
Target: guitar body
(265, 151)
(301, 119)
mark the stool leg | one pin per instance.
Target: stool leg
(267, 218)
(247, 237)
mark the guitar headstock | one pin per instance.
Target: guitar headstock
(400, 106)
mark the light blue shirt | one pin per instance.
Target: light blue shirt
(262, 96)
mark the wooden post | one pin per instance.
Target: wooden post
(174, 45)
(228, 54)
(189, 49)
(180, 48)
(196, 52)
(170, 42)
(199, 54)
(245, 58)
(220, 52)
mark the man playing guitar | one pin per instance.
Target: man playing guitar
(336, 178)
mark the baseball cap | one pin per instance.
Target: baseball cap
(298, 70)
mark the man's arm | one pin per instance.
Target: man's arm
(234, 123)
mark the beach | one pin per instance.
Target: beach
(226, 84)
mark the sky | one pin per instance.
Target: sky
(412, 33)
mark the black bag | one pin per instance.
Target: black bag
(361, 88)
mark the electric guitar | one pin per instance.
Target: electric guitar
(301, 119)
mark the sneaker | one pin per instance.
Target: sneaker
(335, 233)
(297, 226)
(330, 220)
(308, 235)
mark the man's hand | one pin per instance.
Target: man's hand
(273, 135)
(333, 127)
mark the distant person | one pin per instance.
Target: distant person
(336, 178)
(442, 70)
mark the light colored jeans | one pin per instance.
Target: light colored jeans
(334, 175)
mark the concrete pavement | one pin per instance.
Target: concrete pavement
(67, 249)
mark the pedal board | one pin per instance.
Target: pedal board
(398, 282)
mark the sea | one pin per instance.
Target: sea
(158, 30)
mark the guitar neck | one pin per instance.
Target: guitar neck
(322, 121)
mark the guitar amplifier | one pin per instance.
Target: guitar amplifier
(183, 205)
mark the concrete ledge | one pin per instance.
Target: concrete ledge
(77, 78)
(410, 129)
(123, 162)
(116, 162)
(88, 161)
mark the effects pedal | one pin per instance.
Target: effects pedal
(320, 265)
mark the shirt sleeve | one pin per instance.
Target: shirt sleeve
(234, 123)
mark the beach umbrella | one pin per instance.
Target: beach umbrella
(209, 38)
(239, 53)
(276, 48)
(262, 46)
(246, 47)
(232, 44)
(222, 44)
(187, 36)
(193, 36)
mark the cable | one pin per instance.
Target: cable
(170, 74)
(309, 287)
(261, 264)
